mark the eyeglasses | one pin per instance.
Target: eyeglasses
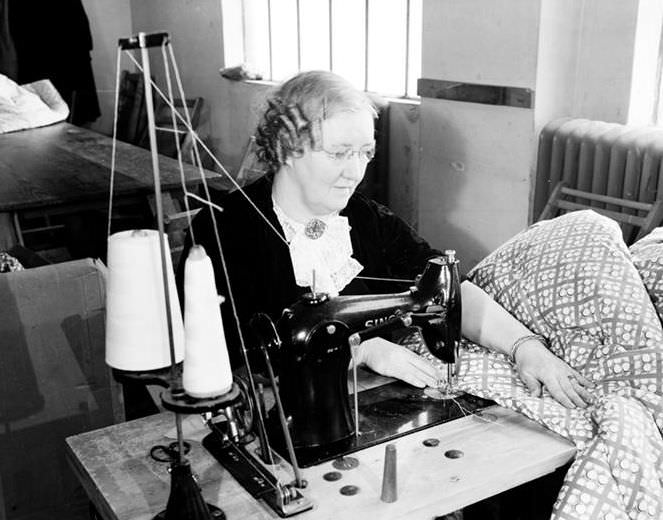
(365, 154)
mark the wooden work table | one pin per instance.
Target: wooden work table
(65, 166)
(501, 449)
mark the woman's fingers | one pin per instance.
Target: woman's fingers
(393, 360)
(587, 397)
(568, 391)
(422, 370)
(582, 380)
(558, 392)
(571, 392)
(533, 385)
(412, 378)
(422, 364)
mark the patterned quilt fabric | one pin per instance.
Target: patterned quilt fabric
(573, 280)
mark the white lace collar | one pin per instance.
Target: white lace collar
(324, 248)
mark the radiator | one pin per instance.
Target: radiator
(604, 158)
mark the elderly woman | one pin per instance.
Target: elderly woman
(315, 139)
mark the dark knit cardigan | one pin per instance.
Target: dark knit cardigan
(259, 264)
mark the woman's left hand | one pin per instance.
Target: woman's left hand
(538, 368)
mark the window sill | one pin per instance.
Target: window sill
(263, 83)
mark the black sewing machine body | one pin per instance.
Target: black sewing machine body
(314, 349)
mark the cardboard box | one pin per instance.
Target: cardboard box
(53, 383)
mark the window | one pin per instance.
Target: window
(658, 96)
(376, 44)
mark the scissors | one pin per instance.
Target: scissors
(168, 453)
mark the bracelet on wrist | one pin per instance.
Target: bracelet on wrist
(522, 340)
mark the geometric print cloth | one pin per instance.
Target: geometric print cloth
(573, 280)
(647, 256)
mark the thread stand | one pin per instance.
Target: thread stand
(185, 501)
(178, 401)
(160, 376)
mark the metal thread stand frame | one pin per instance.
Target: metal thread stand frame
(185, 501)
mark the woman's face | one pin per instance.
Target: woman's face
(324, 180)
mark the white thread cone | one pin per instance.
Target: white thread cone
(136, 326)
(207, 370)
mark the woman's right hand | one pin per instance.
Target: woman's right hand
(389, 359)
(538, 368)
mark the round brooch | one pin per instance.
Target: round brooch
(314, 228)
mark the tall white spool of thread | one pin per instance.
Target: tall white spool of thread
(136, 323)
(207, 370)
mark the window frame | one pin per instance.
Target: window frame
(255, 47)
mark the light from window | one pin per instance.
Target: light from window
(657, 112)
(376, 44)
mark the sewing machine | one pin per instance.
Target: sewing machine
(318, 335)
(315, 340)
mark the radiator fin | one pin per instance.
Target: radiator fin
(603, 158)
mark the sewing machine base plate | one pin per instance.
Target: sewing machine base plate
(385, 413)
(391, 411)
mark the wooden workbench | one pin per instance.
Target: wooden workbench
(502, 449)
(64, 167)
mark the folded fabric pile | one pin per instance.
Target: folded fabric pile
(9, 264)
(574, 281)
(30, 105)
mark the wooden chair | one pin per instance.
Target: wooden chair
(630, 214)
(167, 137)
(132, 119)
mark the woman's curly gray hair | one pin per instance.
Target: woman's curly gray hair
(294, 114)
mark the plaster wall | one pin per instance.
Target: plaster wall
(195, 27)
(605, 54)
(644, 81)
(109, 21)
(478, 161)
(474, 179)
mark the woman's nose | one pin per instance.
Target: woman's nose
(354, 167)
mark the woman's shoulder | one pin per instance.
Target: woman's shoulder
(258, 192)
(362, 207)
(235, 211)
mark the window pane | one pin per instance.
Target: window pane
(386, 46)
(256, 39)
(385, 69)
(348, 47)
(414, 64)
(315, 34)
(284, 38)
(233, 33)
